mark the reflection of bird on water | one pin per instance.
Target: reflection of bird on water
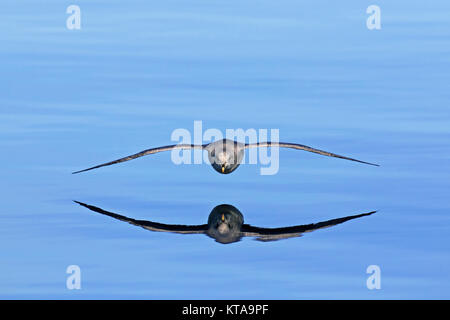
(226, 225)
(224, 155)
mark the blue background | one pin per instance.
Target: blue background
(138, 70)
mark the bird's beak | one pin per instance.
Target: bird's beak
(223, 169)
(223, 217)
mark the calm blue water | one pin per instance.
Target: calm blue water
(138, 70)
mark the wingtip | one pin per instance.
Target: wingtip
(81, 203)
(365, 214)
(369, 163)
(368, 213)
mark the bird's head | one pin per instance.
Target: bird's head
(224, 163)
(225, 155)
(224, 223)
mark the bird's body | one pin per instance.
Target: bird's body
(225, 155)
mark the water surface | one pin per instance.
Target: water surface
(138, 70)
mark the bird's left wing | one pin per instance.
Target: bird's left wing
(149, 225)
(302, 147)
(272, 234)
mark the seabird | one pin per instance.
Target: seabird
(225, 155)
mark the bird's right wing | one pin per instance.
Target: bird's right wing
(272, 234)
(144, 153)
(149, 225)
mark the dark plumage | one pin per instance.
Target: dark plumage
(226, 225)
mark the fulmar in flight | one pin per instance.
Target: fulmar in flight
(226, 225)
(224, 155)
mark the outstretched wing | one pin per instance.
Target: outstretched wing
(302, 147)
(144, 153)
(149, 225)
(272, 234)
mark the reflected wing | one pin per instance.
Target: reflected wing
(149, 225)
(144, 153)
(272, 234)
(302, 147)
